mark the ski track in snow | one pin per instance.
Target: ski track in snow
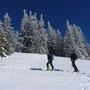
(18, 71)
(86, 84)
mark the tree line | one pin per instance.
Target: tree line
(33, 37)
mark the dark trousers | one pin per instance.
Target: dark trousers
(74, 66)
(49, 62)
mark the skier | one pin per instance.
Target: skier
(73, 57)
(50, 59)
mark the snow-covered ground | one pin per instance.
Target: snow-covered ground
(23, 72)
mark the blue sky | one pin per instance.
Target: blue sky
(55, 11)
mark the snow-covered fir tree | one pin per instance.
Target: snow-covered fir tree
(52, 40)
(23, 33)
(75, 40)
(17, 43)
(60, 44)
(43, 36)
(67, 40)
(2, 40)
(32, 34)
(9, 32)
(55, 41)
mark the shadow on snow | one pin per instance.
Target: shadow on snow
(40, 69)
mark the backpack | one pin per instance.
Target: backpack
(51, 57)
(73, 56)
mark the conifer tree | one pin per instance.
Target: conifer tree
(43, 36)
(9, 32)
(75, 40)
(24, 33)
(32, 34)
(52, 39)
(2, 40)
(60, 44)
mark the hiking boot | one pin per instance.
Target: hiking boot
(76, 70)
(53, 69)
(47, 69)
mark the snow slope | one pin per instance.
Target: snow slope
(21, 71)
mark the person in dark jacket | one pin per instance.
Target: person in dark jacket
(73, 57)
(50, 59)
